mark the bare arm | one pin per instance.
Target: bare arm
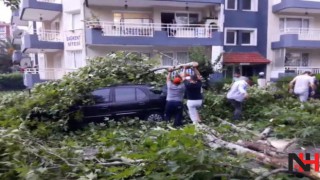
(197, 72)
(291, 83)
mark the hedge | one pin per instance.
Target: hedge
(12, 81)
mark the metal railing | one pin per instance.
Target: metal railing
(148, 29)
(51, 1)
(50, 35)
(300, 70)
(303, 33)
(49, 73)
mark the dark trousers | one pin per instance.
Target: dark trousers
(237, 109)
(174, 108)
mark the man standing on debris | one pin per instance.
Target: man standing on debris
(175, 93)
(237, 94)
(300, 86)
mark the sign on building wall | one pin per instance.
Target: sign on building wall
(73, 40)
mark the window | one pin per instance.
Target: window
(134, 18)
(250, 5)
(296, 59)
(2, 29)
(74, 59)
(231, 38)
(293, 25)
(76, 23)
(279, 58)
(186, 18)
(125, 94)
(167, 59)
(140, 94)
(245, 36)
(231, 4)
(102, 95)
(182, 57)
(246, 4)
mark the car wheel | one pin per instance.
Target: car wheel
(154, 116)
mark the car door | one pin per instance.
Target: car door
(129, 101)
(101, 108)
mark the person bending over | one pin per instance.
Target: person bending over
(237, 94)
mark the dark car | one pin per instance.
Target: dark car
(125, 101)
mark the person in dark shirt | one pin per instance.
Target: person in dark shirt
(194, 95)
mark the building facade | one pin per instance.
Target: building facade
(273, 36)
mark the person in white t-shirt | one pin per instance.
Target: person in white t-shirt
(237, 94)
(300, 86)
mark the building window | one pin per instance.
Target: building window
(248, 38)
(3, 29)
(244, 37)
(231, 37)
(231, 4)
(183, 57)
(297, 59)
(250, 5)
(74, 60)
(76, 21)
(167, 59)
(293, 25)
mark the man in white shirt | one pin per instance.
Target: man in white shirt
(237, 94)
(301, 85)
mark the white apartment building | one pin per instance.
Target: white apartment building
(63, 34)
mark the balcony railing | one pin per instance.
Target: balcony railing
(300, 70)
(303, 33)
(49, 35)
(49, 73)
(148, 29)
(51, 1)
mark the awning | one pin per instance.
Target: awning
(244, 58)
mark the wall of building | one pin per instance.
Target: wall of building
(249, 19)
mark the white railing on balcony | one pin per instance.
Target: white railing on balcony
(300, 70)
(51, 1)
(49, 73)
(303, 33)
(128, 29)
(50, 35)
(148, 29)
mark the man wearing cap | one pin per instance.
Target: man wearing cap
(237, 94)
(300, 86)
(175, 93)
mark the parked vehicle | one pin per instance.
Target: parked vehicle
(120, 101)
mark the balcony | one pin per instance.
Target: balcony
(150, 3)
(15, 19)
(42, 41)
(152, 34)
(47, 73)
(300, 70)
(296, 6)
(40, 10)
(298, 38)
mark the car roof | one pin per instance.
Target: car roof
(124, 85)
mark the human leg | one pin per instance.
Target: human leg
(193, 106)
(237, 109)
(178, 114)
(168, 111)
(304, 96)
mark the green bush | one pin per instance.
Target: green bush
(283, 82)
(12, 81)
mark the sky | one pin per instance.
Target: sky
(5, 13)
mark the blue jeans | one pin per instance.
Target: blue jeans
(174, 108)
(237, 105)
